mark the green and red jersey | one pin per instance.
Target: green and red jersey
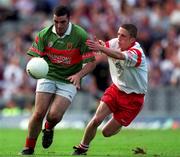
(65, 56)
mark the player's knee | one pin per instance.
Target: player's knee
(38, 116)
(106, 133)
(54, 118)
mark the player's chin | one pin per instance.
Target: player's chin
(60, 33)
(122, 47)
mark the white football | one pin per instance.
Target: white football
(37, 68)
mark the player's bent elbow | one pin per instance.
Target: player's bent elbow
(93, 65)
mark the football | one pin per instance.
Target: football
(37, 68)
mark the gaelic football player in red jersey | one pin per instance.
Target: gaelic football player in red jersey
(125, 97)
(63, 46)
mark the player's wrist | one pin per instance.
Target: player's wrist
(101, 48)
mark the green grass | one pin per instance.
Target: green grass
(156, 143)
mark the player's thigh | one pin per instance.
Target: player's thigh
(45, 90)
(65, 93)
(66, 90)
(42, 102)
(111, 127)
(102, 111)
(59, 106)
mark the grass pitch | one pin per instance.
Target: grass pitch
(152, 143)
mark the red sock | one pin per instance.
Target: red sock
(30, 142)
(49, 125)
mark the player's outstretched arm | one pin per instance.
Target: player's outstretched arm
(97, 46)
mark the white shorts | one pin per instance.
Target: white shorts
(56, 87)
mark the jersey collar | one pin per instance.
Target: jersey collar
(68, 31)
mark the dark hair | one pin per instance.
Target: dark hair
(132, 29)
(61, 11)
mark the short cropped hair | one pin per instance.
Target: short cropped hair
(61, 11)
(132, 29)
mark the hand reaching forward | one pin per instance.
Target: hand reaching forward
(75, 80)
(95, 45)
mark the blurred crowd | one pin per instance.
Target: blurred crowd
(159, 33)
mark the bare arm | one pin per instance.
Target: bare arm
(87, 68)
(114, 53)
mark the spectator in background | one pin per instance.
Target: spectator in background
(11, 109)
(2, 62)
(25, 8)
(175, 78)
(155, 58)
(13, 77)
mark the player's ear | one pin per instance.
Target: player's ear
(132, 40)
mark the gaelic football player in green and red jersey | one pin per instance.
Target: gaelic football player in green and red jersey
(63, 46)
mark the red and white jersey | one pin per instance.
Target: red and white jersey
(129, 75)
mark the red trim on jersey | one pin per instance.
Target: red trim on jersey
(88, 55)
(66, 57)
(36, 39)
(62, 52)
(37, 51)
(139, 53)
(107, 44)
(132, 45)
(130, 55)
(76, 59)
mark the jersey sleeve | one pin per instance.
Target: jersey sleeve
(37, 47)
(87, 54)
(133, 57)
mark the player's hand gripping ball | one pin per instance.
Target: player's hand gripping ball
(37, 68)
